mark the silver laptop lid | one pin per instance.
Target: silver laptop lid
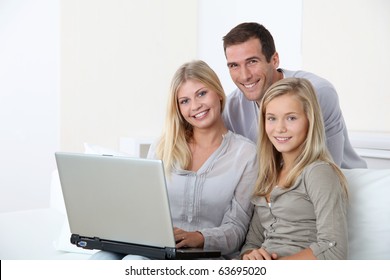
(116, 198)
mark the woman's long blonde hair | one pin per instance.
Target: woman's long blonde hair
(314, 147)
(173, 146)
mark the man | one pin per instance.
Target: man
(254, 66)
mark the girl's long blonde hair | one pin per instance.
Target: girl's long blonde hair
(314, 147)
(173, 146)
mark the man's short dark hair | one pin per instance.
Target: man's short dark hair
(248, 30)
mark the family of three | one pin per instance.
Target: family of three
(256, 176)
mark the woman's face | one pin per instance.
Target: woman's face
(286, 125)
(199, 105)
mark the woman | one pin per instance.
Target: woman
(300, 194)
(211, 170)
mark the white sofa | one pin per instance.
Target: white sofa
(44, 233)
(41, 234)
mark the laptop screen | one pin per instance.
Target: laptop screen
(116, 198)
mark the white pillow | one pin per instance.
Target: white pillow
(369, 213)
(99, 150)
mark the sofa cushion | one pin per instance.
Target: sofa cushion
(369, 213)
(31, 235)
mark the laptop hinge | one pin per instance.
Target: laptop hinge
(86, 243)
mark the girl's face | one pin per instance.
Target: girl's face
(199, 105)
(286, 125)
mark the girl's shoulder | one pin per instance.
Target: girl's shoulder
(318, 166)
(320, 171)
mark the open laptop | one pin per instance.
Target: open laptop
(120, 204)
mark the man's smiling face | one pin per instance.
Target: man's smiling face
(249, 68)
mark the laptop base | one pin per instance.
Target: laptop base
(166, 253)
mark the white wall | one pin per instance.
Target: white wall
(348, 42)
(118, 58)
(29, 90)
